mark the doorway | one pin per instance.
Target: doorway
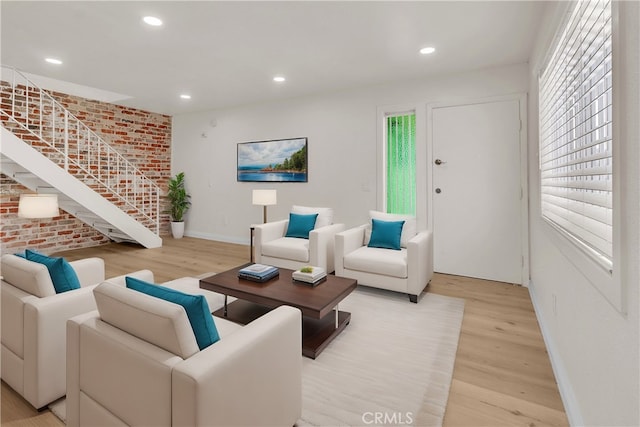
(478, 209)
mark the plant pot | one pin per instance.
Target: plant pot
(177, 229)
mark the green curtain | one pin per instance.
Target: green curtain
(401, 164)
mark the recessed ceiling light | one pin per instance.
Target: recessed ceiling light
(152, 20)
(185, 96)
(279, 79)
(427, 50)
(53, 61)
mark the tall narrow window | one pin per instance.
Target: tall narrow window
(401, 163)
(576, 131)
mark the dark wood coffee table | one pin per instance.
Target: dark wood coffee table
(321, 319)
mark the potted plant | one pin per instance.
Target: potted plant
(179, 204)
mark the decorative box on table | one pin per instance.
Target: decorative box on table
(309, 275)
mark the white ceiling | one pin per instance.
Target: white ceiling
(226, 53)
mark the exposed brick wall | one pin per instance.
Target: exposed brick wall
(142, 137)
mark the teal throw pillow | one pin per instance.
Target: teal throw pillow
(300, 225)
(195, 305)
(385, 234)
(63, 276)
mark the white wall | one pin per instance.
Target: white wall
(594, 348)
(342, 130)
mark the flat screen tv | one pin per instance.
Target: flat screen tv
(278, 160)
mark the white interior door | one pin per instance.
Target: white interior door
(477, 190)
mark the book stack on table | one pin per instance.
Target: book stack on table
(258, 272)
(309, 275)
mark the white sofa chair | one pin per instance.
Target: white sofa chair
(408, 270)
(271, 247)
(135, 361)
(34, 319)
(33, 324)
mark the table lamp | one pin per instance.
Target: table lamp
(264, 198)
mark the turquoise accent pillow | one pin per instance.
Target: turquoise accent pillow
(385, 234)
(63, 276)
(300, 225)
(195, 305)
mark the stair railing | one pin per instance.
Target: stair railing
(66, 140)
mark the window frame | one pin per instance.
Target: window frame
(420, 155)
(606, 281)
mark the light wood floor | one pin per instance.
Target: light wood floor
(502, 374)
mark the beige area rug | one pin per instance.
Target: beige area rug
(392, 365)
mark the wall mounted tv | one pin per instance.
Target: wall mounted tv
(278, 160)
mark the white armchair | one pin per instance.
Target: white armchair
(33, 324)
(272, 247)
(408, 270)
(135, 361)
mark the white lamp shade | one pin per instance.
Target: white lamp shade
(38, 206)
(264, 197)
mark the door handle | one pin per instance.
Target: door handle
(438, 190)
(439, 162)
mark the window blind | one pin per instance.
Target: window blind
(576, 131)
(401, 164)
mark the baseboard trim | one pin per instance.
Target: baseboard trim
(217, 237)
(571, 405)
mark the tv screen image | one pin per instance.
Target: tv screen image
(278, 160)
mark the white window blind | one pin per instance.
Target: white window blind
(576, 131)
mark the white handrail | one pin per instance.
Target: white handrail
(84, 153)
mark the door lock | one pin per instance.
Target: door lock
(439, 162)
(438, 190)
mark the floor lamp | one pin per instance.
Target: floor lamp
(38, 206)
(262, 198)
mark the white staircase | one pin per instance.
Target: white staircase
(48, 150)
